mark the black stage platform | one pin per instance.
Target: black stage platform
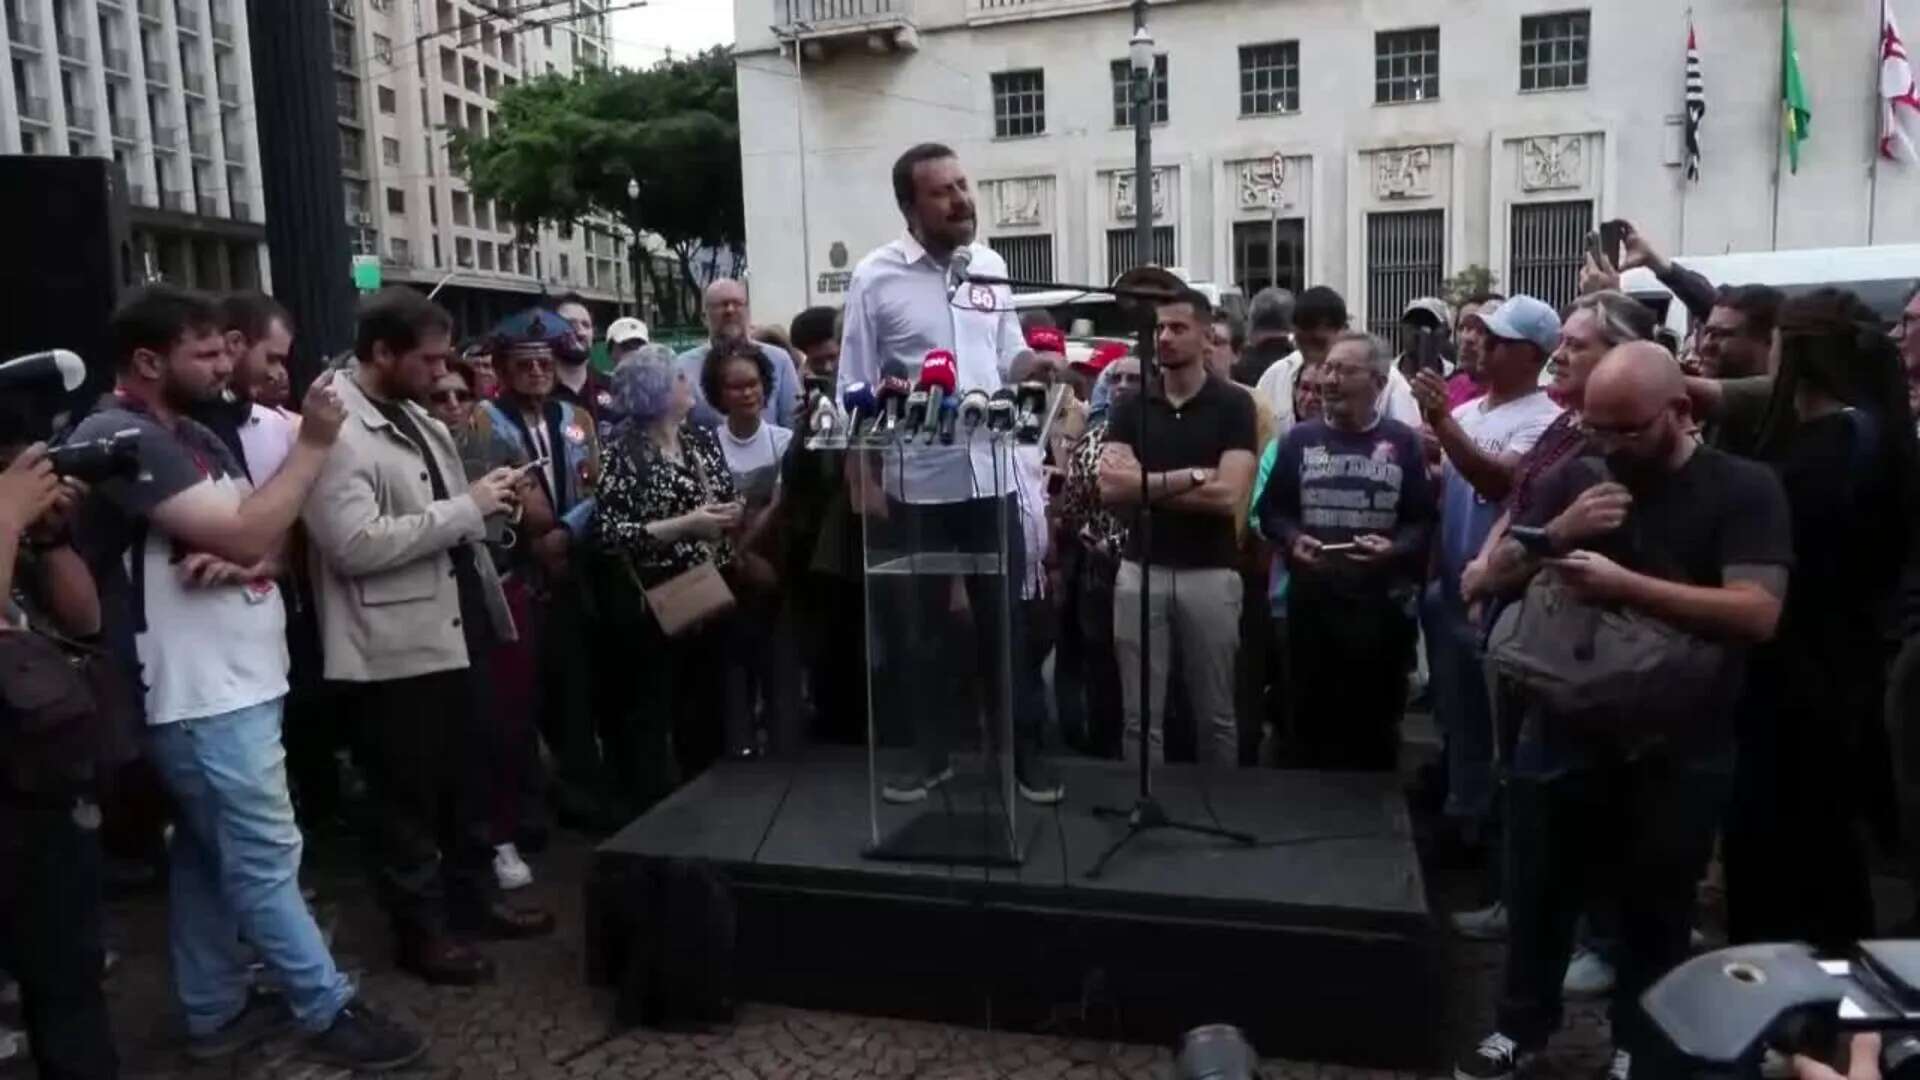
(1318, 942)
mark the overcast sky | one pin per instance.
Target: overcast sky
(641, 36)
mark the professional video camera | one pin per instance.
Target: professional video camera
(1725, 1011)
(115, 457)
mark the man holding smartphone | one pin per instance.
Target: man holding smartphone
(410, 606)
(1350, 504)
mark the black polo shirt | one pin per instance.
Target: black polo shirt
(1194, 435)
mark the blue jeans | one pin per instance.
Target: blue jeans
(1461, 707)
(236, 872)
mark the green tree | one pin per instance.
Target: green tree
(564, 149)
(1470, 281)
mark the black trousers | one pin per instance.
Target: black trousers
(1351, 651)
(671, 720)
(426, 745)
(1642, 831)
(829, 614)
(50, 934)
(945, 670)
(566, 707)
(1106, 718)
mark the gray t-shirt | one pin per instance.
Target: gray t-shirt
(202, 651)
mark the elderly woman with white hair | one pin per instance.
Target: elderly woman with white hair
(667, 508)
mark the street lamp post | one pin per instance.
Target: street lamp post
(633, 238)
(1140, 56)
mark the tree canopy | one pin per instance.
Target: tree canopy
(564, 149)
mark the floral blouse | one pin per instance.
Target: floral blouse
(639, 485)
(1080, 510)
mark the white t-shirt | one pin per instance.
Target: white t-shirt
(767, 446)
(1276, 389)
(268, 437)
(1510, 428)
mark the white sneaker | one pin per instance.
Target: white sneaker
(1487, 924)
(511, 870)
(1621, 1067)
(1495, 1058)
(1588, 975)
(13, 1044)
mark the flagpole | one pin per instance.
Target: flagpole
(1779, 132)
(1873, 170)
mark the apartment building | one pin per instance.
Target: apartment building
(411, 71)
(165, 89)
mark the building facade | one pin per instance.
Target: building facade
(1376, 147)
(165, 89)
(410, 71)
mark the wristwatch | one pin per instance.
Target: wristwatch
(1199, 477)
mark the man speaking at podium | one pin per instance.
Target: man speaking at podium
(908, 298)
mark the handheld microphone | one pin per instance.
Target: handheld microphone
(1032, 401)
(1000, 411)
(957, 270)
(43, 369)
(861, 406)
(949, 416)
(918, 418)
(892, 397)
(973, 410)
(937, 379)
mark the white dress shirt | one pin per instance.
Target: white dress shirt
(898, 309)
(267, 437)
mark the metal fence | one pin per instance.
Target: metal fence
(1546, 245)
(815, 11)
(1029, 258)
(1406, 259)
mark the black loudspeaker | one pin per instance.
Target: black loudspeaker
(69, 256)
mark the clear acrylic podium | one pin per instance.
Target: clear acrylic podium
(942, 593)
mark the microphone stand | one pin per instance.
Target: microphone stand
(1146, 814)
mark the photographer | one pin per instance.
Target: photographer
(50, 747)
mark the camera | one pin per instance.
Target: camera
(116, 457)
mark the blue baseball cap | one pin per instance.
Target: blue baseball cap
(1523, 318)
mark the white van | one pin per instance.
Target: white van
(1881, 276)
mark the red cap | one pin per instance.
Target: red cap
(1103, 354)
(1046, 339)
(938, 370)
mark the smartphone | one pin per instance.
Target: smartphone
(1533, 540)
(1426, 347)
(1334, 549)
(1611, 234)
(530, 466)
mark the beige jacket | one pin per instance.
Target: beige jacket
(389, 607)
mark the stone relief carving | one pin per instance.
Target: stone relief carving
(1257, 183)
(1548, 162)
(1021, 203)
(1122, 185)
(1403, 174)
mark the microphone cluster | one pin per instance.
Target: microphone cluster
(924, 411)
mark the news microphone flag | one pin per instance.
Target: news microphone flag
(1899, 99)
(1696, 101)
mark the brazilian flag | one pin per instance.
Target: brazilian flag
(1796, 116)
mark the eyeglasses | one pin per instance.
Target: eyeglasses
(450, 397)
(1119, 379)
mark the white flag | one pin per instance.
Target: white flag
(1899, 100)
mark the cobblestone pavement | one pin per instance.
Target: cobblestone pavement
(540, 1020)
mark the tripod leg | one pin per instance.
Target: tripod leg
(1100, 864)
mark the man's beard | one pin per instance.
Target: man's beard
(182, 399)
(1639, 472)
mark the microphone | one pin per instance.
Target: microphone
(919, 417)
(1032, 401)
(42, 369)
(973, 410)
(861, 406)
(826, 416)
(957, 270)
(1000, 411)
(892, 397)
(937, 379)
(949, 414)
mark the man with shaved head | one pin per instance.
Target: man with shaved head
(1651, 521)
(727, 319)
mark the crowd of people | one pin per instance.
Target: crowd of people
(494, 585)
